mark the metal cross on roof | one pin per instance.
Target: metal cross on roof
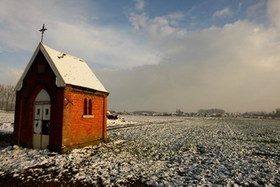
(43, 29)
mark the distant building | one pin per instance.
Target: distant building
(60, 103)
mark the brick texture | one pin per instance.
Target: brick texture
(77, 128)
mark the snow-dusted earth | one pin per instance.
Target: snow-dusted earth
(6, 122)
(159, 151)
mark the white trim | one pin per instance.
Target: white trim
(88, 116)
(19, 83)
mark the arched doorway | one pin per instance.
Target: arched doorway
(41, 125)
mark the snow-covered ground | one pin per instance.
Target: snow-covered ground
(6, 122)
(159, 151)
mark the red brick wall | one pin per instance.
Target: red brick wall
(80, 129)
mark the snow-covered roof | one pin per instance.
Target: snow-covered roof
(68, 69)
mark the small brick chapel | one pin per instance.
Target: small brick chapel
(60, 103)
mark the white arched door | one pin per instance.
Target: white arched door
(41, 126)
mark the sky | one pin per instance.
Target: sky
(157, 55)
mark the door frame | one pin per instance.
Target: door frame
(41, 120)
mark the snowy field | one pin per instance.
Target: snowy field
(6, 120)
(159, 151)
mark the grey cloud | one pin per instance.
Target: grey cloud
(235, 67)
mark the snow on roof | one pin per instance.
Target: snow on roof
(68, 69)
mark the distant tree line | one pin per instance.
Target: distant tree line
(277, 112)
(143, 112)
(211, 111)
(7, 97)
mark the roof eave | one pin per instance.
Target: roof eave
(87, 88)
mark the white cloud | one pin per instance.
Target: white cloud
(112, 47)
(176, 16)
(140, 5)
(222, 13)
(157, 27)
(255, 9)
(20, 21)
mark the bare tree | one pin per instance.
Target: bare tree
(2, 96)
(7, 97)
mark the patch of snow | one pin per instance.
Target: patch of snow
(6, 117)
(6, 122)
(119, 122)
(6, 128)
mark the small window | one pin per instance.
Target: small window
(90, 107)
(85, 107)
